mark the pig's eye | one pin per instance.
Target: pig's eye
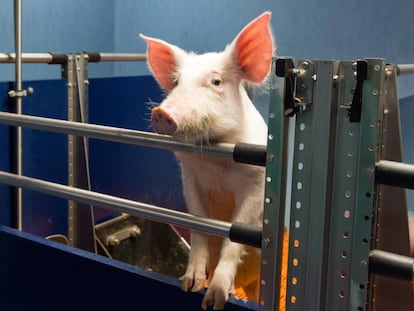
(216, 81)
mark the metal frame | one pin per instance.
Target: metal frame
(333, 199)
(275, 197)
(80, 217)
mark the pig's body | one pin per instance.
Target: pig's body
(207, 103)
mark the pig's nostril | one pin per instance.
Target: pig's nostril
(163, 122)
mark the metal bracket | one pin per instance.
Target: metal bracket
(356, 106)
(285, 68)
(304, 82)
(117, 237)
(21, 93)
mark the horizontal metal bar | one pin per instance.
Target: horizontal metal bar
(395, 174)
(239, 233)
(26, 57)
(391, 265)
(139, 209)
(48, 58)
(405, 69)
(114, 134)
(131, 137)
(122, 57)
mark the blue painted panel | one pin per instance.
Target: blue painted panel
(138, 173)
(44, 156)
(36, 274)
(5, 160)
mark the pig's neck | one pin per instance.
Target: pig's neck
(252, 128)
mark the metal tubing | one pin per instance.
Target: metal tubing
(395, 174)
(48, 57)
(405, 69)
(139, 209)
(114, 134)
(391, 265)
(26, 57)
(122, 57)
(18, 95)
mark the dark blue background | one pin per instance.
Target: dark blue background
(137, 173)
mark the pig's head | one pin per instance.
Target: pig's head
(206, 99)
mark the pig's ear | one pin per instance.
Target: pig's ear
(163, 60)
(253, 49)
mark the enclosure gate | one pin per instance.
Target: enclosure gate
(339, 111)
(345, 113)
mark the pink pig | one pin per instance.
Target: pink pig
(207, 103)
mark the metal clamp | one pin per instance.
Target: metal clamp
(21, 93)
(286, 69)
(117, 237)
(356, 106)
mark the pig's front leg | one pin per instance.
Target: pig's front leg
(195, 275)
(223, 280)
(248, 210)
(195, 197)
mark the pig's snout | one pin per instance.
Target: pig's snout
(162, 122)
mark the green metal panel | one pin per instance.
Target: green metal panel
(369, 143)
(275, 195)
(310, 191)
(343, 195)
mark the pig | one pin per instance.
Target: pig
(207, 103)
(411, 231)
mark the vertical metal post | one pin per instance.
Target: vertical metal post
(80, 216)
(311, 188)
(365, 195)
(275, 198)
(345, 169)
(18, 94)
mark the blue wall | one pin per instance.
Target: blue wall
(317, 29)
(304, 29)
(58, 26)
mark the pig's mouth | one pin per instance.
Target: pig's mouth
(186, 130)
(198, 134)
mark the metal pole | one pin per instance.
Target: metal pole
(95, 57)
(18, 94)
(122, 57)
(391, 265)
(395, 174)
(216, 227)
(115, 134)
(405, 69)
(26, 57)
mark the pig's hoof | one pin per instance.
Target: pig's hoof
(193, 281)
(215, 297)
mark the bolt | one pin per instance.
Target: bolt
(305, 65)
(135, 232)
(112, 241)
(270, 158)
(266, 241)
(30, 90)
